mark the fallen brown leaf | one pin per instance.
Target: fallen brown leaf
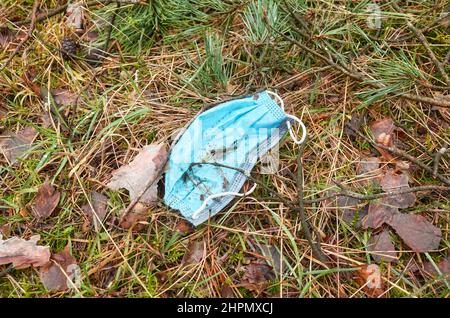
(419, 234)
(382, 247)
(46, 201)
(139, 213)
(61, 273)
(226, 291)
(351, 212)
(13, 146)
(392, 182)
(378, 214)
(382, 127)
(257, 276)
(368, 165)
(183, 227)
(369, 276)
(22, 253)
(443, 266)
(64, 97)
(195, 254)
(134, 176)
(97, 212)
(382, 131)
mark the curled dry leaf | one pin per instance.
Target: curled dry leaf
(382, 131)
(382, 247)
(195, 254)
(382, 128)
(13, 146)
(139, 213)
(419, 234)
(257, 276)
(134, 176)
(96, 211)
(369, 276)
(392, 182)
(46, 201)
(62, 273)
(378, 214)
(22, 253)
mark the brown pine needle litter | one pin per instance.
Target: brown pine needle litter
(323, 225)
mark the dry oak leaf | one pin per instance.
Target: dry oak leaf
(419, 234)
(382, 247)
(369, 276)
(61, 273)
(13, 145)
(144, 167)
(392, 182)
(46, 201)
(378, 214)
(97, 211)
(23, 253)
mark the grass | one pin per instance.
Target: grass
(165, 61)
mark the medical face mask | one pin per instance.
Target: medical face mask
(235, 134)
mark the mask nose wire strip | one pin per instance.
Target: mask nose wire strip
(291, 132)
(196, 214)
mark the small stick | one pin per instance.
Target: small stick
(403, 154)
(437, 157)
(368, 197)
(315, 246)
(27, 36)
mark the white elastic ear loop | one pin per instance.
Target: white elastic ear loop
(291, 131)
(196, 214)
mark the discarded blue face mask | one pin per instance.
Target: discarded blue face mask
(234, 134)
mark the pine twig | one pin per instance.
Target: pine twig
(425, 43)
(27, 36)
(361, 77)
